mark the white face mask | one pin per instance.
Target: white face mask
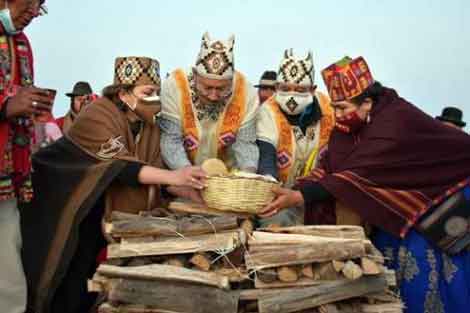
(7, 21)
(293, 103)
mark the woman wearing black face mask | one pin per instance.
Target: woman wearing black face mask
(403, 172)
(108, 161)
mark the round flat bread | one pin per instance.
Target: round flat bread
(214, 167)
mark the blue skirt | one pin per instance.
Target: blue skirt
(429, 280)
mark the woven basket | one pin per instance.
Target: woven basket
(238, 194)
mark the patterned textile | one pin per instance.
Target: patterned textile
(215, 59)
(429, 280)
(347, 78)
(16, 137)
(136, 71)
(296, 71)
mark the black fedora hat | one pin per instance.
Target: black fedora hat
(452, 115)
(80, 89)
(268, 79)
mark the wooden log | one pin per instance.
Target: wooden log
(382, 308)
(164, 272)
(310, 297)
(201, 261)
(303, 281)
(234, 275)
(174, 296)
(108, 308)
(307, 271)
(193, 208)
(154, 226)
(287, 274)
(369, 267)
(256, 294)
(248, 226)
(176, 245)
(338, 265)
(331, 231)
(351, 270)
(260, 238)
(179, 261)
(325, 271)
(315, 251)
(267, 275)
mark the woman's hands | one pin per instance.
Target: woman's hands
(189, 176)
(285, 198)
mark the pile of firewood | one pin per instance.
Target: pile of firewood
(205, 261)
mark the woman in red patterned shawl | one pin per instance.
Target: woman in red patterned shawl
(406, 174)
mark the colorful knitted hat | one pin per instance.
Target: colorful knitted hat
(347, 78)
(136, 71)
(215, 59)
(296, 71)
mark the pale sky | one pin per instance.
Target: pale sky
(420, 48)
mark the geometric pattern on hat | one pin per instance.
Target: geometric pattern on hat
(137, 71)
(296, 71)
(215, 59)
(347, 78)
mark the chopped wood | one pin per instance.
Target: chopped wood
(351, 270)
(369, 267)
(307, 271)
(287, 274)
(325, 271)
(108, 308)
(256, 294)
(156, 226)
(338, 265)
(120, 216)
(331, 231)
(201, 261)
(315, 251)
(267, 275)
(139, 261)
(164, 272)
(225, 241)
(309, 297)
(267, 238)
(233, 274)
(248, 226)
(179, 261)
(174, 296)
(303, 281)
(382, 308)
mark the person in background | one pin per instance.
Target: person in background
(406, 174)
(19, 102)
(209, 112)
(80, 96)
(452, 117)
(266, 86)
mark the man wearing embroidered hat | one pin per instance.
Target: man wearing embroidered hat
(293, 126)
(108, 161)
(19, 101)
(266, 86)
(209, 111)
(403, 172)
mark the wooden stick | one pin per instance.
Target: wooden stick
(310, 297)
(226, 241)
(174, 296)
(332, 231)
(338, 265)
(108, 308)
(164, 272)
(369, 267)
(320, 251)
(193, 208)
(153, 226)
(307, 271)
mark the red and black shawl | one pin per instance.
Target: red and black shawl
(396, 167)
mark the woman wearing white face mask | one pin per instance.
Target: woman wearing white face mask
(292, 127)
(108, 161)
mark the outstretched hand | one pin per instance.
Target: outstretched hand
(284, 198)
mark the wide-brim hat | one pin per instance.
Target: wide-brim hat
(80, 89)
(268, 80)
(452, 115)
